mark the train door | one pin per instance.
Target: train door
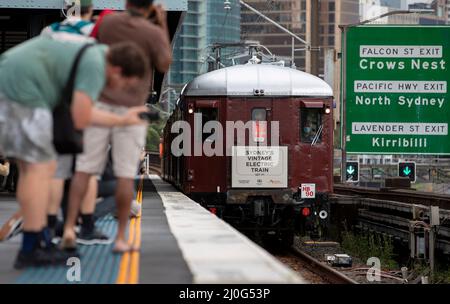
(207, 160)
(315, 141)
(242, 111)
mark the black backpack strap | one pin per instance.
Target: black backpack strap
(70, 85)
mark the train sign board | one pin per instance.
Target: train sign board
(396, 89)
(259, 167)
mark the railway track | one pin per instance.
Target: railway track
(319, 272)
(329, 274)
(395, 194)
(155, 170)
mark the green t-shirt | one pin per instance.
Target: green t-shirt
(35, 72)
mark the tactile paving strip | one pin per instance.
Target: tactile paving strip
(98, 265)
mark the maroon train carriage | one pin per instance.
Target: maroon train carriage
(247, 187)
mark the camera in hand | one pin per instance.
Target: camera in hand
(151, 117)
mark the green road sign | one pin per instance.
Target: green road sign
(407, 169)
(396, 89)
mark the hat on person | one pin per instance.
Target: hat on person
(85, 3)
(82, 3)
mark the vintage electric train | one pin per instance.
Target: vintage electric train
(279, 170)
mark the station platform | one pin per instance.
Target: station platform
(180, 241)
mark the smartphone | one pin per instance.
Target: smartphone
(150, 117)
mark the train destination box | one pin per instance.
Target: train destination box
(396, 89)
(259, 167)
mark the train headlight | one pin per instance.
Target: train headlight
(258, 92)
(323, 214)
(327, 110)
(190, 108)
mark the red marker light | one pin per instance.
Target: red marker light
(306, 212)
(213, 210)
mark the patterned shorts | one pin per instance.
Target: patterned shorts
(26, 133)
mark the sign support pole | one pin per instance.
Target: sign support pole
(343, 104)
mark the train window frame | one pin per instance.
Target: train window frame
(261, 123)
(259, 109)
(200, 110)
(312, 117)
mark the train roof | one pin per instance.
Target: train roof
(243, 80)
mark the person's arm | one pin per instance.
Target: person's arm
(108, 119)
(162, 57)
(84, 114)
(81, 110)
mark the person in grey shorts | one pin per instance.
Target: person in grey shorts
(127, 142)
(32, 78)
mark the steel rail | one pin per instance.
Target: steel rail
(396, 194)
(326, 272)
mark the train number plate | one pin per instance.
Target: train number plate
(308, 190)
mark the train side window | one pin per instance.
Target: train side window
(208, 114)
(311, 125)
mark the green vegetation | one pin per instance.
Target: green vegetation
(154, 134)
(442, 276)
(441, 273)
(370, 245)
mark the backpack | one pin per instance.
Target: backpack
(76, 28)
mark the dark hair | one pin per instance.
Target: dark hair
(140, 3)
(85, 9)
(130, 57)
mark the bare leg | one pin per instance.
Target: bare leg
(33, 193)
(56, 194)
(88, 203)
(124, 196)
(77, 192)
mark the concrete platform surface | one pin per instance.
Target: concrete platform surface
(180, 241)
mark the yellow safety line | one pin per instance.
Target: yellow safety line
(135, 255)
(133, 277)
(122, 278)
(129, 264)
